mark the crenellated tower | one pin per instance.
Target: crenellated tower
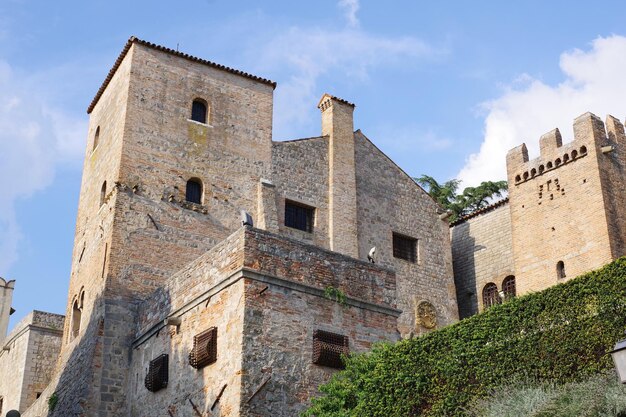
(568, 212)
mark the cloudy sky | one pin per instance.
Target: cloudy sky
(444, 88)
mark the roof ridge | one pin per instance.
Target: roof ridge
(134, 39)
(482, 210)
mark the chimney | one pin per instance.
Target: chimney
(6, 296)
(338, 126)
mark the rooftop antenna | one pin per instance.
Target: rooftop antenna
(176, 46)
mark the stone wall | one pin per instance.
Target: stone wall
(482, 252)
(27, 366)
(559, 211)
(388, 201)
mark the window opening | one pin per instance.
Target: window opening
(404, 247)
(158, 375)
(560, 270)
(508, 287)
(193, 192)
(103, 193)
(299, 216)
(204, 350)
(199, 111)
(328, 348)
(490, 295)
(76, 317)
(96, 138)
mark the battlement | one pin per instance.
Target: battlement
(590, 136)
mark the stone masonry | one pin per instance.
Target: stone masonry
(144, 252)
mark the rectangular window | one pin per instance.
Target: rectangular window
(328, 349)
(404, 247)
(299, 216)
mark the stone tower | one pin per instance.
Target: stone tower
(6, 296)
(568, 211)
(134, 227)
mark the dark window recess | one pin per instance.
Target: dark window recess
(508, 287)
(198, 111)
(204, 350)
(560, 270)
(193, 192)
(404, 247)
(490, 295)
(299, 216)
(158, 375)
(328, 348)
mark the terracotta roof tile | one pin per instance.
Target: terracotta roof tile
(480, 211)
(133, 39)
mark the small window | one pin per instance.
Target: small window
(193, 192)
(103, 193)
(158, 374)
(96, 138)
(299, 216)
(508, 287)
(199, 111)
(583, 150)
(328, 349)
(560, 270)
(76, 318)
(404, 247)
(204, 350)
(490, 295)
(38, 394)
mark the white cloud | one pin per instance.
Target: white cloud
(350, 7)
(594, 81)
(305, 55)
(33, 140)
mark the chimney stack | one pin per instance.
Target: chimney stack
(338, 126)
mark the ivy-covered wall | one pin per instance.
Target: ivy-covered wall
(561, 334)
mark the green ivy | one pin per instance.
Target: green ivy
(335, 294)
(52, 401)
(561, 334)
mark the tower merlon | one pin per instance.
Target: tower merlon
(6, 297)
(516, 157)
(615, 130)
(589, 128)
(549, 142)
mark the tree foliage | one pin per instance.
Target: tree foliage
(561, 334)
(471, 199)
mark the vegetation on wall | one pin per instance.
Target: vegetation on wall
(471, 199)
(561, 334)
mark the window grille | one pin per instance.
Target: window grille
(299, 216)
(508, 287)
(204, 350)
(328, 348)
(158, 375)
(193, 191)
(198, 111)
(490, 295)
(404, 247)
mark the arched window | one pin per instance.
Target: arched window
(508, 287)
(193, 192)
(490, 295)
(583, 150)
(103, 193)
(560, 270)
(199, 111)
(574, 154)
(76, 317)
(96, 138)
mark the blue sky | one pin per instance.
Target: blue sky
(444, 88)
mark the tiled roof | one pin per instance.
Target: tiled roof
(326, 95)
(133, 39)
(480, 211)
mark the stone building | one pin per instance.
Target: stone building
(216, 272)
(565, 215)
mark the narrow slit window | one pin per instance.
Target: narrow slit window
(560, 270)
(76, 318)
(193, 192)
(199, 111)
(404, 247)
(299, 216)
(103, 193)
(328, 349)
(96, 138)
